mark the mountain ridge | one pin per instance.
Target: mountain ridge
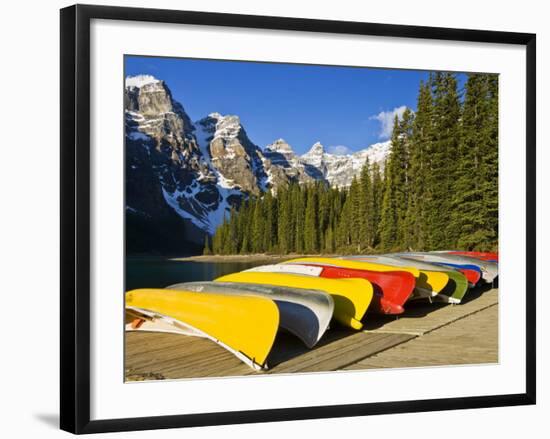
(201, 170)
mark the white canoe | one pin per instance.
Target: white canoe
(304, 313)
(305, 270)
(489, 270)
(396, 261)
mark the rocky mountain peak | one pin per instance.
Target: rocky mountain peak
(315, 158)
(234, 157)
(148, 96)
(281, 146)
(228, 127)
(376, 153)
(151, 111)
(316, 150)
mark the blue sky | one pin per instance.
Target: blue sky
(345, 108)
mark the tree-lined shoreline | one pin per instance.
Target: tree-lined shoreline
(438, 190)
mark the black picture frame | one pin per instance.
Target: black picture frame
(75, 217)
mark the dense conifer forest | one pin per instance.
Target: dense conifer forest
(438, 189)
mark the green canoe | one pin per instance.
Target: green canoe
(455, 289)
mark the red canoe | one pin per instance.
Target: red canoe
(473, 276)
(391, 288)
(484, 256)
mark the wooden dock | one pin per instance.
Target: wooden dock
(427, 334)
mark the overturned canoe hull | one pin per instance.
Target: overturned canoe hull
(304, 313)
(429, 282)
(484, 256)
(455, 290)
(391, 288)
(352, 297)
(456, 287)
(472, 272)
(489, 270)
(351, 263)
(244, 325)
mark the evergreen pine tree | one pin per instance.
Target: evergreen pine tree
(344, 225)
(310, 221)
(402, 178)
(284, 221)
(323, 202)
(329, 240)
(270, 225)
(377, 198)
(258, 227)
(206, 250)
(231, 237)
(443, 156)
(475, 200)
(299, 201)
(419, 147)
(366, 207)
(395, 193)
(490, 167)
(355, 220)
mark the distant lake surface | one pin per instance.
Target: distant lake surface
(159, 273)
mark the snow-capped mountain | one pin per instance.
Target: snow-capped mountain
(183, 177)
(282, 157)
(339, 170)
(235, 160)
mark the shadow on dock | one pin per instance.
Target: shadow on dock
(420, 309)
(287, 346)
(476, 293)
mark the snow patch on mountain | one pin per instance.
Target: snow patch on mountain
(204, 134)
(338, 169)
(137, 135)
(280, 145)
(140, 80)
(227, 127)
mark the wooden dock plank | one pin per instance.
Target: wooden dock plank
(340, 358)
(421, 318)
(184, 356)
(471, 340)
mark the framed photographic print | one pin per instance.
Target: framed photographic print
(272, 218)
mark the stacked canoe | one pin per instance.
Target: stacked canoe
(243, 311)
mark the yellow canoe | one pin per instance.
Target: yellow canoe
(351, 297)
(244, 325)
(433, 281)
